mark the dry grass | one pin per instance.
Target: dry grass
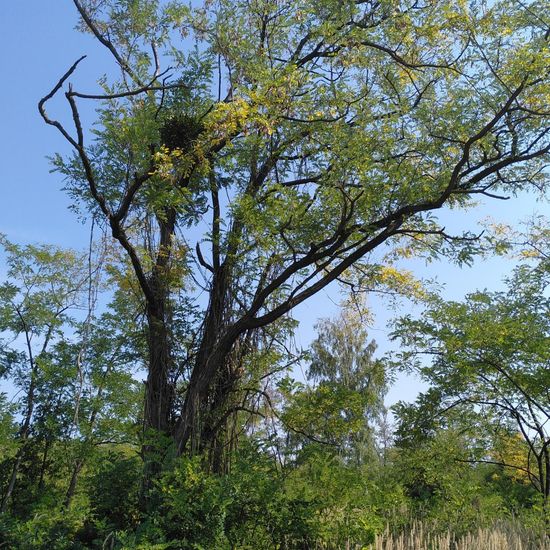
(500, 537)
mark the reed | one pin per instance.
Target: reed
(423, 536)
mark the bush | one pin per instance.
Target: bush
(54, 529)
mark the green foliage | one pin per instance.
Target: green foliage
(194, 506)
(343, 407)
(445, 488)
(288, 143)
(113, 490)
(489, 377)
(8, 442)
(258, 505)
(48, 527)
(338, 495)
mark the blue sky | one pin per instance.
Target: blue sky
(38, 43)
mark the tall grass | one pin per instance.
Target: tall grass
(502, 536)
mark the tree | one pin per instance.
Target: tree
(8, 428)
(73, 372)
(45, 285)
(293, 140)
(342, 407)
(104, 396)
(491, 359)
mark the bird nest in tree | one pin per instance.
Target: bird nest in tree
(180, 131)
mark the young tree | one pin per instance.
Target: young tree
(343, 406)
(45, 285)
(293, 140)
(104, 396)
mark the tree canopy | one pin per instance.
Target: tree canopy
(490, 364)
(286, 143)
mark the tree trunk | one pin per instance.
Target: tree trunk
(159, 391)
(77, 468)
(191, 423)
(43, 466)
(222, 402)
(546, 491)
(197, 415)
(158, 394)
(13, 478)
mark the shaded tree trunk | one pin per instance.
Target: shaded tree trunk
(212, 356)
(72, 484)
(13, 478)
(47, 445)
(159, 390)
(158, 393)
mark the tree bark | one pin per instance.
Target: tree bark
(159, 390)
(44, 464)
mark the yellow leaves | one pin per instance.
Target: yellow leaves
(224, 121)
(498, 229)
(225, 118)
(529, 244)
(527, 59)
(163, 159)
(402, 281)
(513, 451)
(529, 254)
(171, 163)
(388, 278)
(177, 272)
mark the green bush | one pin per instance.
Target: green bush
(51, 528)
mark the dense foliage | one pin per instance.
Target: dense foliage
(315, 465)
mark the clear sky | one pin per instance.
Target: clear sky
(38, 43)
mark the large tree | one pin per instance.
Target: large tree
(285, 143)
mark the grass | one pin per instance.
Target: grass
(502, 536)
